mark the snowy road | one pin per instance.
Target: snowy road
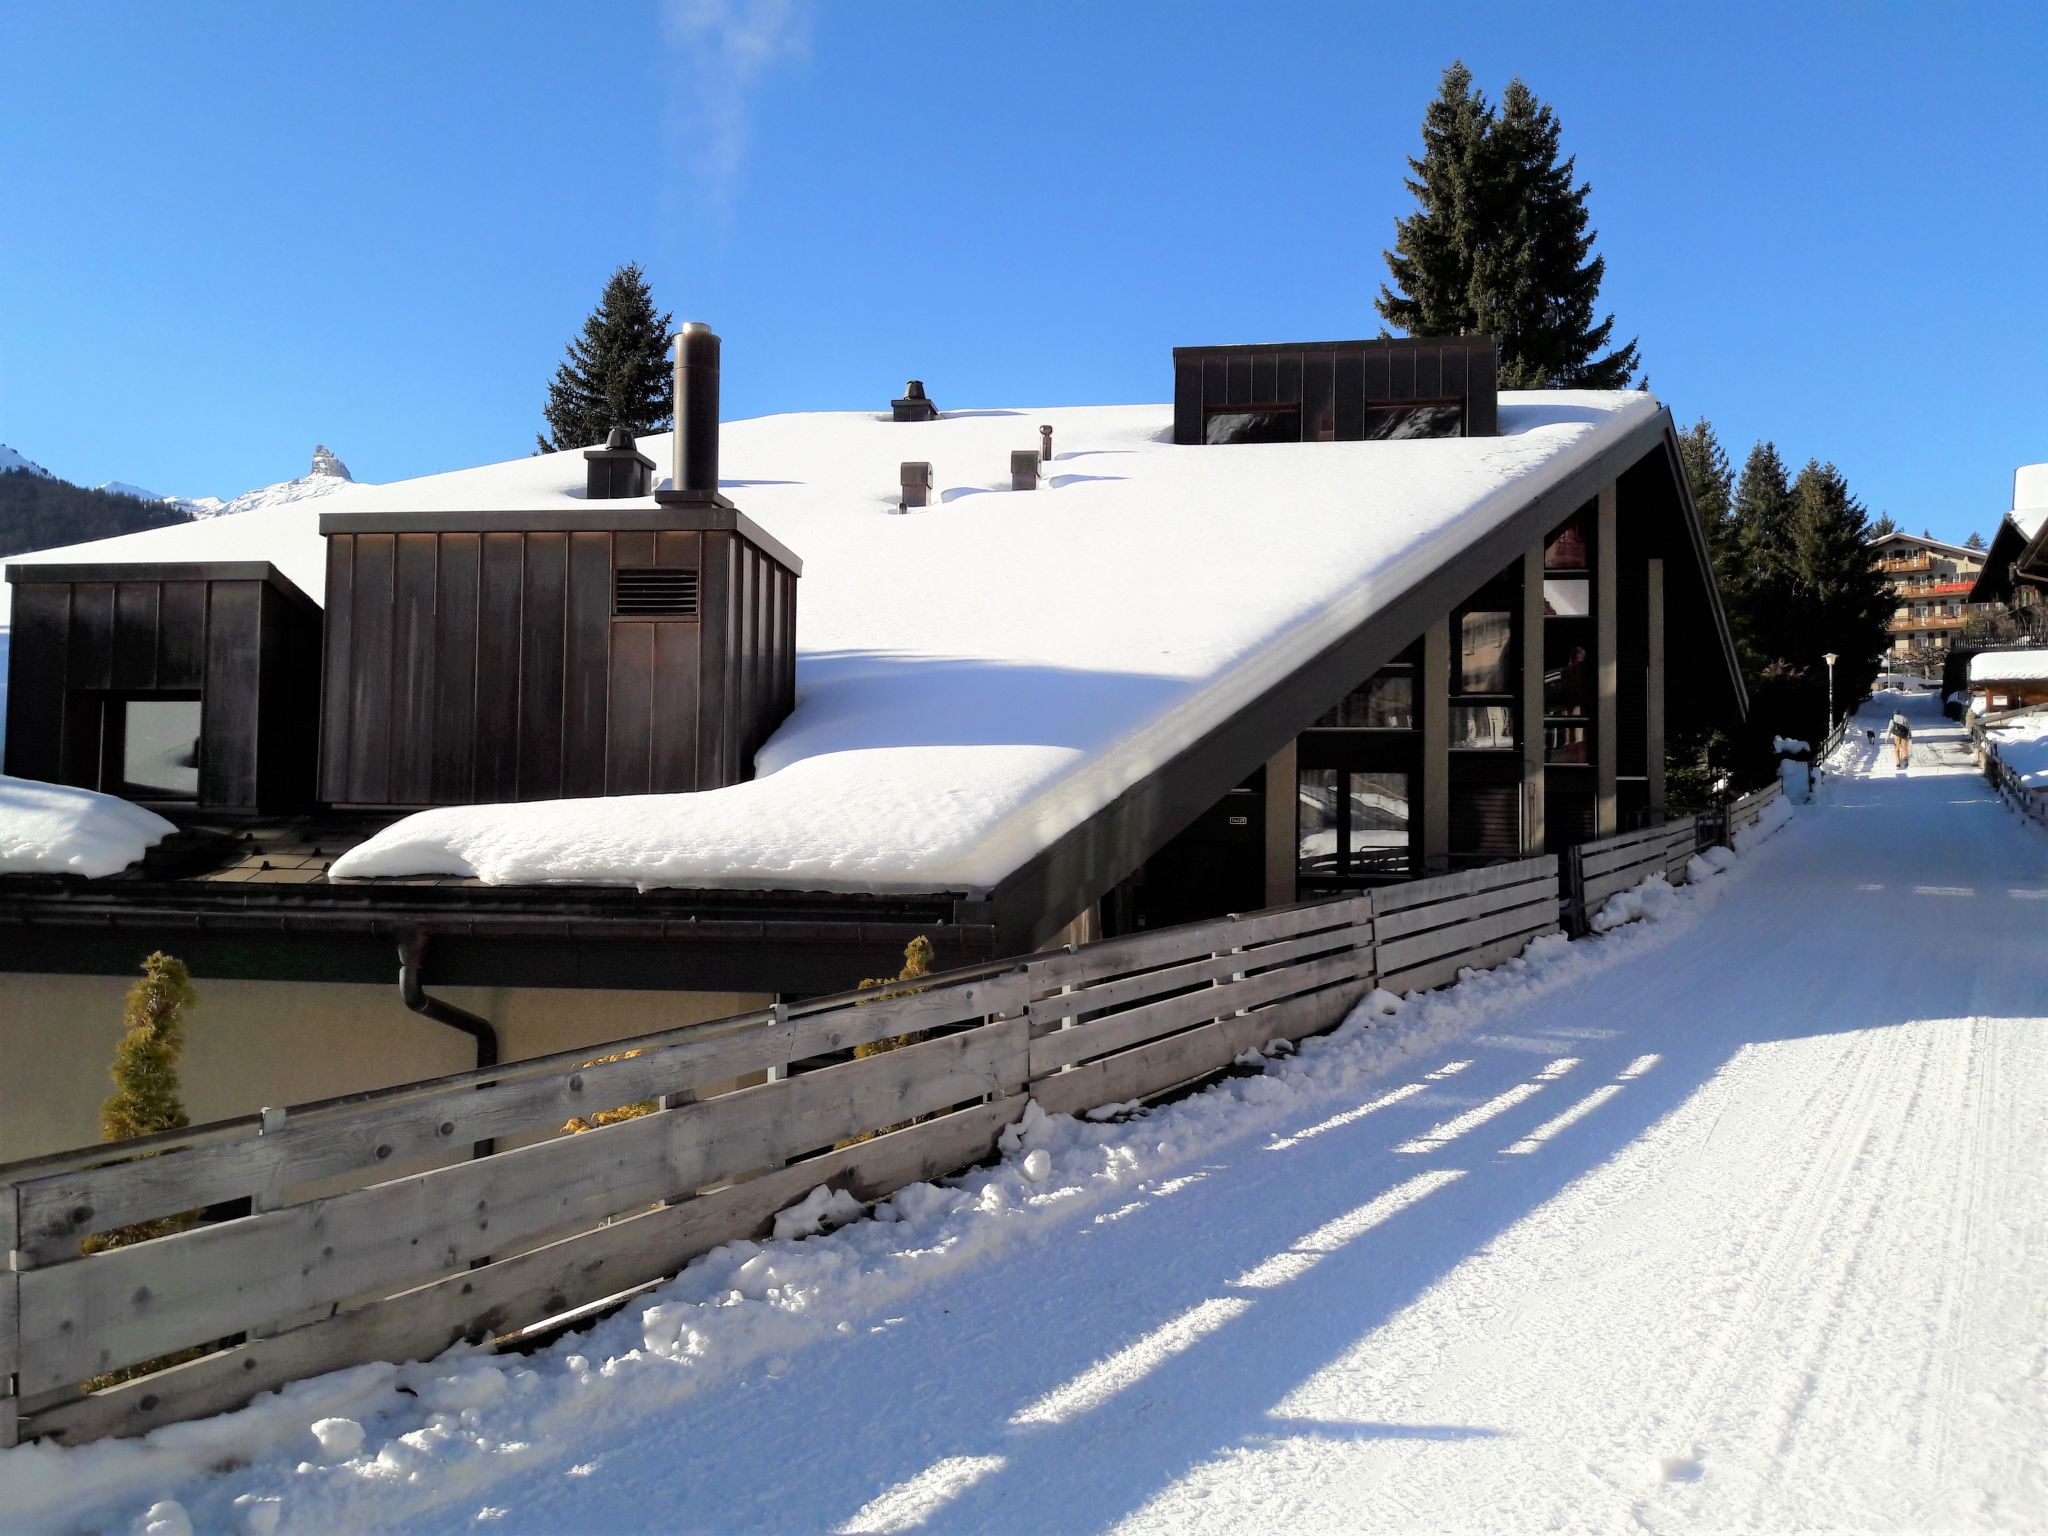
(1738, 1220)
(1750, 1230)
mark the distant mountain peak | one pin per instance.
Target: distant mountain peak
(12, 459)
(325, 463)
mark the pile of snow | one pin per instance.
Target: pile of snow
(1651, 901)
(944, 731)
(1709, 861)
(2010, 666)
(1783, 745)
(374, 1446)
(54, 829)
(1773, 816)
(11, 459)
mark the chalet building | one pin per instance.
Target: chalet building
(2015, 574)
(1931, 587)
(539, 755)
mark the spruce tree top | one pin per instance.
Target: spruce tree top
(616, 373)
(1499, 244)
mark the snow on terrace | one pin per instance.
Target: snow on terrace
(2009, 666)
(977, 677)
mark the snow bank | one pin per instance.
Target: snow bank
(2009, 666)
(1653, 900)
(1785, 744)
(54, 829)
(1774, 816)
(438, 1432)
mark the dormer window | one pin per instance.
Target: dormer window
(1253, 424)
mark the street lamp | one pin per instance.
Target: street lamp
(1829, 658)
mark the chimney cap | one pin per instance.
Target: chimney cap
(913, 389)
(915, 404)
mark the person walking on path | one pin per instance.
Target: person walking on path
(1902, 739)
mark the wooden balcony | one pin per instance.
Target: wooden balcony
(1902, 563)
(1929, 621)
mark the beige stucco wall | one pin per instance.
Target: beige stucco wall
(256, 1043)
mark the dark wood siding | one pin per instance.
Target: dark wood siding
(1335, 381)
(489, 665)
(246, 644)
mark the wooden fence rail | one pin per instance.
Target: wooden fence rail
(1749, 810)
(2012, 789)
(372, 1234)
(1597, 870)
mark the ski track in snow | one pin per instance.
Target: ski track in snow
(1742, 1225)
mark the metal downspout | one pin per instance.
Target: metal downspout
(412, 949)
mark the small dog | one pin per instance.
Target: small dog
(1870, 735)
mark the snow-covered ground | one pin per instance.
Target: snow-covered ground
(1735, 1219)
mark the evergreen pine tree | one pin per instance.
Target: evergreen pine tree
(1974, 541)
(1763, 537)
(145, 1075)
(1883, 526)
(616, 373)
(1499, 243)
(1839, 602)
(1438, 248)
(1713, 490)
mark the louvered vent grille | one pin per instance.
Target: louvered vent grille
(654, 592)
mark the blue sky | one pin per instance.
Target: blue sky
(227, 232)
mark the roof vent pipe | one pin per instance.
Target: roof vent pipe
(696, 430)
(618, 469)
(1045, 445)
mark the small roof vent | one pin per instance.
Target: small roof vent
(618, 469)
(914, 406)
(915, 478)
(1024, 469)
(654, 592)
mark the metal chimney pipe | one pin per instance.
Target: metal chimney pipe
(696, 431)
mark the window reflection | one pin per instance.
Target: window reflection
(1483, 653)
(1254, 424)
(160, 749)
(1383, 702)
(1482, 725)
(1352, 826)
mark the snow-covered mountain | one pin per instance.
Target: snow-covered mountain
(327, 474)
(10, 459)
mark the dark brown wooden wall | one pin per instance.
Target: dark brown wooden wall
(1338, 379)
(251, 653)
(475, 667)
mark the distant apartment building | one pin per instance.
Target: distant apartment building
(1931, 585)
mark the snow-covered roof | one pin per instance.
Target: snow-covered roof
(1922, 541)
(2009, 666)
(2029, 521)
(978, 677)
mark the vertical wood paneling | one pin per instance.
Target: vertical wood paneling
(634, 548)
(629, 749)
(1606, 571)
(587, 663)
(1377, 374)
(1287, 377)
(540, 666)
(1237, 380)
(415, 588)
(1213, 391)
(1455, 376)
(35, 695)
(451, 767)
(715, 637)
(1400, 376)
(1351, 390)
(675, 722)
(1187, 402)
(135, 631)
(337, 684)
(369, 756)
(90, 661)
(500, 621)
(181, 634)
(1318, 396)
(227, 727)
(1265, 377)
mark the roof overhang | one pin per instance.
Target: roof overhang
(1045, 893)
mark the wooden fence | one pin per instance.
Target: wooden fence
(2012, 789)
(1749, 810)
(363, 1230)
(1597, 870)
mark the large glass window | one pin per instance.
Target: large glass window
(159, 749)
(1481, 726)
(1569, 547)
(1253, 424)
(1392, 420)
(1383, 702)
(1483, 643)
(1352, 826)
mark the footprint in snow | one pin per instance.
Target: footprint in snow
(1682, 1469)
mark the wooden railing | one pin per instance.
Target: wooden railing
(2011, 788)
(1749, 810)
(360, 1229)
(1597, 870)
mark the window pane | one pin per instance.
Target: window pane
(1316, 821)
(1567, 598)
(1483, 653)
(1385, 702)
(1385, 423)
(1482, 725)
(1379, 823)
(1567, 670)
(1566, 548)
(1564, 744)
(160, 749)
(1254, 425)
